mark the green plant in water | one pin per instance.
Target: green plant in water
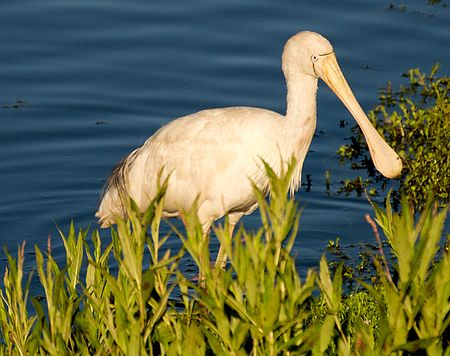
(414, 305)
(16, 325)
(125, 295)
(415, 121)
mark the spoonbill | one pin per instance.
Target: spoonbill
(212, 156)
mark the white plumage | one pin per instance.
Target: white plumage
(213, 155)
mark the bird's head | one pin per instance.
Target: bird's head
(312, 54)
(307, 50)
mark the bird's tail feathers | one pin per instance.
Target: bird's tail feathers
(115, 193)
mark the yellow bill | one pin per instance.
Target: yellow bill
(386, 161)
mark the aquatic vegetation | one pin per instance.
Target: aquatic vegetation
(15, 105)
(126, 295)
(415, 121)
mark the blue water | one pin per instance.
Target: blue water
(93, 79)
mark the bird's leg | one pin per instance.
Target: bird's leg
(201, 276)
(221, 260)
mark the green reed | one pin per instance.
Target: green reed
(125, 295)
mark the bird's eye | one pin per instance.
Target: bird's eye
(314, 57)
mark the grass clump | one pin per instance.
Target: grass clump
(126, 296)
(415, 121)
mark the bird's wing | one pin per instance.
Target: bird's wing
(211, 154)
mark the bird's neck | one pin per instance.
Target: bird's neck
(301, 99)
(300, 120)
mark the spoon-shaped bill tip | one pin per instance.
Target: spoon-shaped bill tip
(387, 162)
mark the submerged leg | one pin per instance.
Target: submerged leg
(221, 260)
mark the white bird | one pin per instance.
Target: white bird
(214, 155)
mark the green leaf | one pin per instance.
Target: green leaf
(415, 345)
(326, 333)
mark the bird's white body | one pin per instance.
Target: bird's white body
(214, 155)
(229, 146)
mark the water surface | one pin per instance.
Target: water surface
(82, 83)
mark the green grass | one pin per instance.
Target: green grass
(132, 298)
